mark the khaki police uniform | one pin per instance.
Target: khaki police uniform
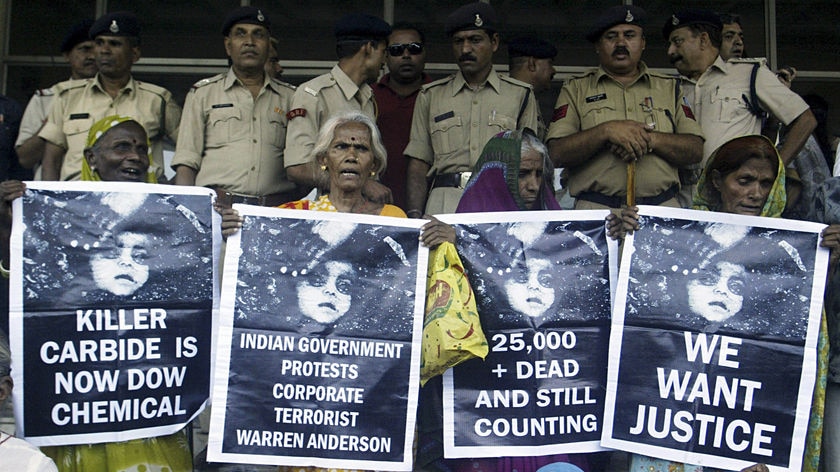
(80, 103)
(235, 141)
(452, 123)
(35, 114)
(597, 98)
(720, 106)
(314, 103)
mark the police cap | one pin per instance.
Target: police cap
(248, 15)
(617, 15)
(691, 17)
(119, 23)
(361, 27)
(79, 33)
(476, 15)
(529, 46)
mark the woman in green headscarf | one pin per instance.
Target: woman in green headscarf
(746, 176)
(117, 150)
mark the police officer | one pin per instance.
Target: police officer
(77, 49)
(455, 117)
(722, 91)
(618, 113)
(360, 43)
(233, 130)
(530, 59)
(113, 91)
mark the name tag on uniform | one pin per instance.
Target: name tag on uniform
(223, 105)
(444, 116)
(596, 98)
(79, 116)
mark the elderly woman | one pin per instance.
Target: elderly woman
(514, 173)
(746, 176)
(117, 150)
(349, 149)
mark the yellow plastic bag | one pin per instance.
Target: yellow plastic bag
(451, 329)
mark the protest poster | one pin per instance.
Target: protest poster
(542, 285)
(713, 342)
(319, 347)
(112, 302)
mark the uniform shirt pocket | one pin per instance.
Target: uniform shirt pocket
(597, 112)
(76, 131)
(729, 104)
(224, 125)
(448, 136)
(277, 128)
(502, 122)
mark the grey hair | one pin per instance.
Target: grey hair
(5, 355)
(327, 133)
(531, 143)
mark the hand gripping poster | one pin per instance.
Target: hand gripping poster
(542, 286)
(319, 347)
(112, 302)
(713, 345)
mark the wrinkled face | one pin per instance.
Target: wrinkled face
(247, 46)
(718, 294)
(473, 51)
(121, 154)
(732, 44)
(406, 67)
(349, 159)
(531, 291)
(82, 60)
(125, 269)
(684, 51)
(620, 49)
(543, 74)
(745, 190)
(115, 56)
(325, 294)
(530, 177)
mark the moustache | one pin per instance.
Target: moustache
(467, 57)
(675, 58)
(621, 50)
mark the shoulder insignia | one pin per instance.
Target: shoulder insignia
(310, 91)
(748, 60)
(295, 113)
(284, 84)
(47, 92)
(69, 85)
(560, 113)
(511, 80)
(155, 89)
(442, 81)
(208, 80)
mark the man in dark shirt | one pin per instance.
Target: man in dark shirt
(395, 94)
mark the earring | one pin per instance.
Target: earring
(373, 173)
(324, 168)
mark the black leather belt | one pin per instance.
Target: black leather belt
(456, 180)
(617, 202)
(227, 199)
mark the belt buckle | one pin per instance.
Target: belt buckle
(464, 178)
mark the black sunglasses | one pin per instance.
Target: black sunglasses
(397, 49)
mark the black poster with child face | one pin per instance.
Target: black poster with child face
(714, 339)
(319, 350)
(112, 307)
(542, 287)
